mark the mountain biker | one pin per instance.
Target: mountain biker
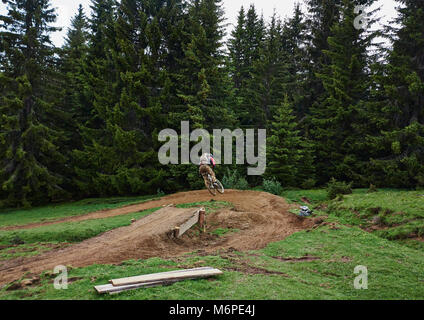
(206, 160)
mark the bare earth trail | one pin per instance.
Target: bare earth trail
(261, 218)
(236, 197)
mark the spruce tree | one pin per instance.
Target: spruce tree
(251, 39)
(290, 158)
(31, 163)
(214, 88)
(244, 45)
(396, 112)
(237, 51)
(296, 64)
(322, 15)
(264, 91)
(134, 120)
(203, 85)
(255, 33)
(337, 120)
(92, 158)
(73, 59)
(285, 147)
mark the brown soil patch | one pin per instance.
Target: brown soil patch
(301, 259)
(261, 218)
(421, 239)
(247, 269)
(306, 200)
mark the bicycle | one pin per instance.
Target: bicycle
(213, 187)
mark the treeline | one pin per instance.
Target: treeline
(83, 120)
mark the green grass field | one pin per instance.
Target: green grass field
(395, 272)
(69, 231)
(312, 264)
(17, 217)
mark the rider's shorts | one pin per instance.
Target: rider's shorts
(205, 170)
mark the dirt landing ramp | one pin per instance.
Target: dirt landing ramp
(261, 218)
(245, 200)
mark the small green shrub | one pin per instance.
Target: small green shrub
(339, 197)
(308, 184)
(232, 180)
(372, 189)
(16, 240)
(335, 188)
(272, 186)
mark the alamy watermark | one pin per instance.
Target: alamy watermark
(361, 21)
(361, 281)
(246, 149)
(61, 281)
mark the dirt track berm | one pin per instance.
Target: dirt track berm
(258, 217)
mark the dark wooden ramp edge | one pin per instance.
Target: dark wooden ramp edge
(198, 217)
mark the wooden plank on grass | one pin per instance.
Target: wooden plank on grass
(111, 289)
(176, 271)
(167, 276)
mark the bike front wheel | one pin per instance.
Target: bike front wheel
(210, 186)
(219, 187)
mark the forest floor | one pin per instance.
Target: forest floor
(264, 248)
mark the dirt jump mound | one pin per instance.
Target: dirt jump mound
(257, 217)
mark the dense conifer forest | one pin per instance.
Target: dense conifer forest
(83, 120)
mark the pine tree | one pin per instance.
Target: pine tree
(91, 160)
(237, 51)
(285, 147)
(73, 59)
(296, 64)
(255, 33)
(244, 45)
(214, 88)
(134, 120)
(31, 163)
(337, 120)
(397, 111)
(322, 16)
(203, 85)
(99, 64)
(250, 39)
(264, 91)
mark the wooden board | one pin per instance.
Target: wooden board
(168, 276)
(180, 230)
(111, 289)
(175, 271)
(187, 225)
